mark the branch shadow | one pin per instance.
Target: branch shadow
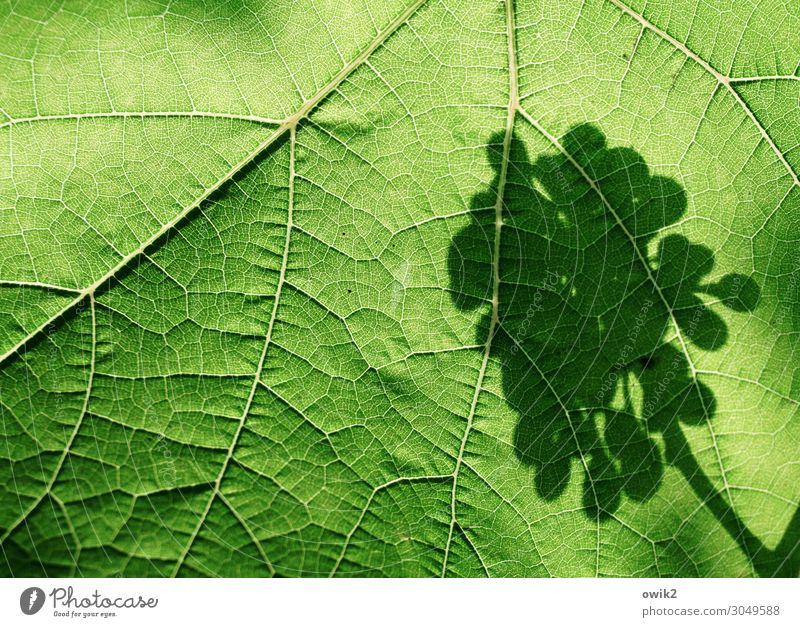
(596, 314)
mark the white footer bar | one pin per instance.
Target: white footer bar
(352, 603)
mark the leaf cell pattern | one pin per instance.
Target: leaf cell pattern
(399, 288)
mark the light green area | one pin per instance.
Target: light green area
(250, 321)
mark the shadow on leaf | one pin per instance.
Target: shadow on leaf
(597, 314)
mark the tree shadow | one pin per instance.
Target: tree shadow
(597, 314)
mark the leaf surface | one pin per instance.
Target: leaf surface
(399, 288)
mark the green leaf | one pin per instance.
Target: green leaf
(401, 288)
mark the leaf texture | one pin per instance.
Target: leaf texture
(399, 288)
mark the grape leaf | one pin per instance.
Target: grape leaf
(399, 288)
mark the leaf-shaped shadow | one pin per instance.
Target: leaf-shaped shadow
(597, 311)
